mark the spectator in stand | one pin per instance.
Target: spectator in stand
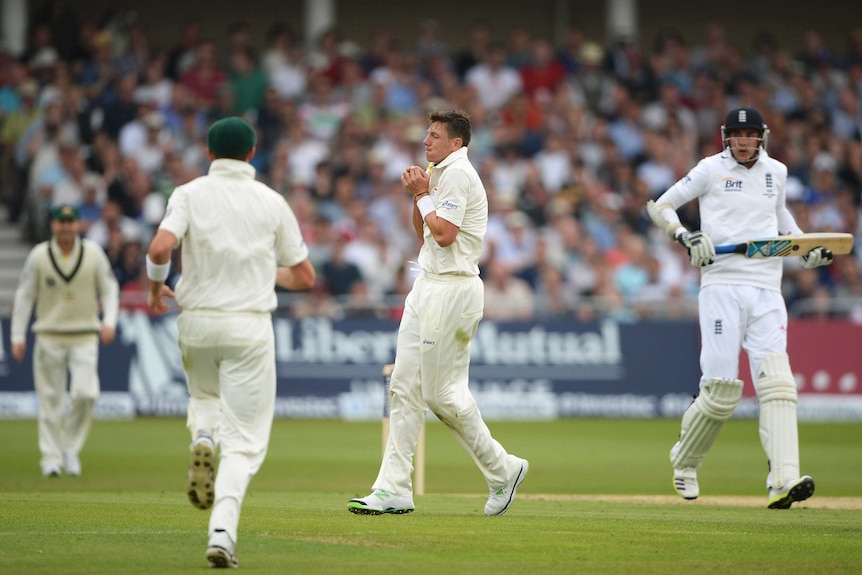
(99, 72)
(657, 171)
(282, 63)
(507, 297)
(543, 72)
(112, 224)
(155, 88)
(12, 129)
(326, 58)
(120, 109)
(519, 44)
(495, 81)
(204, 78)
(377, 260)
(184, 53)
(145, 138)
(338, 274)
(247, 81)
(77, 182)
(592, 87)
(478, 40)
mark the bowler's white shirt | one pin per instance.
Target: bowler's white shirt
(736, 205)
(460, 197)
(232, 229)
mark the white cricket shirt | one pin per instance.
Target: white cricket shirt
(738, 204)
(232, 229)
(460, 197)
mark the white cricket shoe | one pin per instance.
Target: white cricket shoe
(50, 471)
(798, 490)
(685, 482)
(500, 499)
(201, 481)
(71, 464)
(220, 551)
(380, 502)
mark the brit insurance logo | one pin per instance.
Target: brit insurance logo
(732, 185)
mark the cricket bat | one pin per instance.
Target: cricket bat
(782, 246)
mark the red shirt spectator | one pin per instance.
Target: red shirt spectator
(544, 71)
(204, 78)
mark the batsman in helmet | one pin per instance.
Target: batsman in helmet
(741, 195)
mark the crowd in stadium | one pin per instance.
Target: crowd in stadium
(571, 141)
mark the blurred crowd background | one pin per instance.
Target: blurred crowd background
(571, 141)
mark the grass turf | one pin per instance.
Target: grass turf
(597, 499)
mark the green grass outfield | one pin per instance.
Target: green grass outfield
(597, 499)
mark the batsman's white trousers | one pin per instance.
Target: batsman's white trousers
(734, 317)
(229, 360)
(57, 360)
(432, 364)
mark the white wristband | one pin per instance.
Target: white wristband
(426, 205)
(157, 272)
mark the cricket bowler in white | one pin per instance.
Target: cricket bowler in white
(234, 231)
(441, 316)
(741, 192)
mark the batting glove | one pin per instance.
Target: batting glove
(816, 258)
(701, 251)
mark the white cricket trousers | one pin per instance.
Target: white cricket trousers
(753, 319)
(734, 317)
(58, 360)
(229, 361)
(432, 364)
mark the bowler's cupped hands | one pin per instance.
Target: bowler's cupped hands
(415, 180)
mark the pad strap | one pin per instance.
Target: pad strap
(703, 419)
(776, 390)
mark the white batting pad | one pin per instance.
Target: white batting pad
(703, 419)
(776, 391)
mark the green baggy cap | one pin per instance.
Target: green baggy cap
(231, 137)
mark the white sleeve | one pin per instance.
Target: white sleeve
(25, 299)
(176, 218)
(451, 200)
(290, 245)
(109, 289)
(690, 187)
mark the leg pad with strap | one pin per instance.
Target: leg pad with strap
(776, 391)
(703, 419)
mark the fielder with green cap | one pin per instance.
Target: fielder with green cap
(66, 279)
(239, 238)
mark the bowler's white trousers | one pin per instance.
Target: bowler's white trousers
(229, 359)
(432, 364)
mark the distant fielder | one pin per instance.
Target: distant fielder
(66, 278)
(741, 196)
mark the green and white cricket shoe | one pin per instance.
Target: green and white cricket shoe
(500, 499)
(380, 502)
(200, 486)
(798, 490)
(685, 482)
